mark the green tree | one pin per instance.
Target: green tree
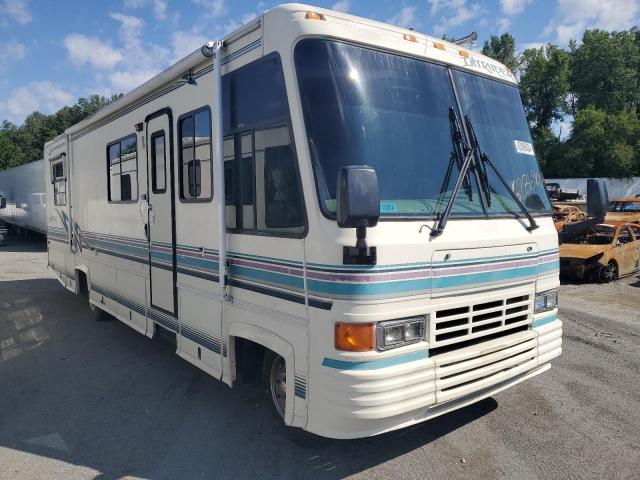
(503, 49)
(23, 144)
(605, 70)
(602, 145)
(544, 85)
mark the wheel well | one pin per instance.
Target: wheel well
(82, 285)
(249, 356)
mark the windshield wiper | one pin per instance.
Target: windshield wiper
(460, 149)
(457, 156)
(484, 160)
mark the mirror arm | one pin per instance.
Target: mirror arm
(361, 254)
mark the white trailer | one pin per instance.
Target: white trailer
(24, 191)
(348, 209)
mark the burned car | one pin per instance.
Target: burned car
(624, 210)
(567, 214)
(604, 253)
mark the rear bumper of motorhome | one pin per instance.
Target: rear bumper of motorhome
(361, 401)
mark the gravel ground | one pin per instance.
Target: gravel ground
(86, 399)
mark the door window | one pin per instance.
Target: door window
(158, 163)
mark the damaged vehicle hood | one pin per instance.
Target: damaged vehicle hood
(572, 250)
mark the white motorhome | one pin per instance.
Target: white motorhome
(348, 209)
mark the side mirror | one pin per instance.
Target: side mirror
(3, 202)
(597, 198)
(358, 206)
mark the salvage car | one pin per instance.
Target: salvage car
(604, 253)
(564, 214)
(624, 210)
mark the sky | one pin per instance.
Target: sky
(52, 52)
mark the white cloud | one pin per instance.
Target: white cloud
(404, 18)
(572, 17)
(183, 43)
(160, 9)
(126, 81)
(92, 51)
(12, 51)
(342, 6)
(528, 45)
(134, 3)
(513, 7)
(453, 13)
(17, 10)
(503, 25)
(45, 97)
(234, 23)
(130, 27)
(125, 67)
(214, 8)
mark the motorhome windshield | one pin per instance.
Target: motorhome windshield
(393, 113)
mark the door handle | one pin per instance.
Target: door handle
(146, 231)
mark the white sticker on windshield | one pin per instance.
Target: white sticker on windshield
(524, 147)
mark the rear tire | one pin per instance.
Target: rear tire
(274, 387)
(608, 273)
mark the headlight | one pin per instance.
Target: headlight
(396, 333)
(545, 301)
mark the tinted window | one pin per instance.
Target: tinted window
(158, 163)
(196, 172)
(122, 170)
(254, 94)
(59, 184)
(261, 173)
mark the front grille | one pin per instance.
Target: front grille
(491, 316)
(455, 376)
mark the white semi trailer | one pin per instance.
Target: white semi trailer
(23, 189)
(349, 210)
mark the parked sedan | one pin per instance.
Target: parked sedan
(606, 252)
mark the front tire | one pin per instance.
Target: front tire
(274, 387)
(608, 273)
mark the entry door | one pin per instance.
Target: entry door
(161, 223)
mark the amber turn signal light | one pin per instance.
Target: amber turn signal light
(355, 337)
(314, 16)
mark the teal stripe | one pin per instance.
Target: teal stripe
(485, 277)
(337, 288)
(549, 266)
(375, 364)
(544, 321)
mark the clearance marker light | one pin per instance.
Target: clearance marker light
(314, 16)
(410, 38)
(438, 45)
(463, 53)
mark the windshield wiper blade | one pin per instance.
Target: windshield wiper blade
(442, 219)
(484, 180)
(461, 156)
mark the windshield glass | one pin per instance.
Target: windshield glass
(390, 112)
(398, 115)
(497, 118)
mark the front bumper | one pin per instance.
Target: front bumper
(380, 397)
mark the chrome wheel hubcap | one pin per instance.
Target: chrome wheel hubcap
(278, 384)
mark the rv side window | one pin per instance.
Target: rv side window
(59, 184)
(196, 172)
(122, 170)
(263, 192)
(158, 163)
